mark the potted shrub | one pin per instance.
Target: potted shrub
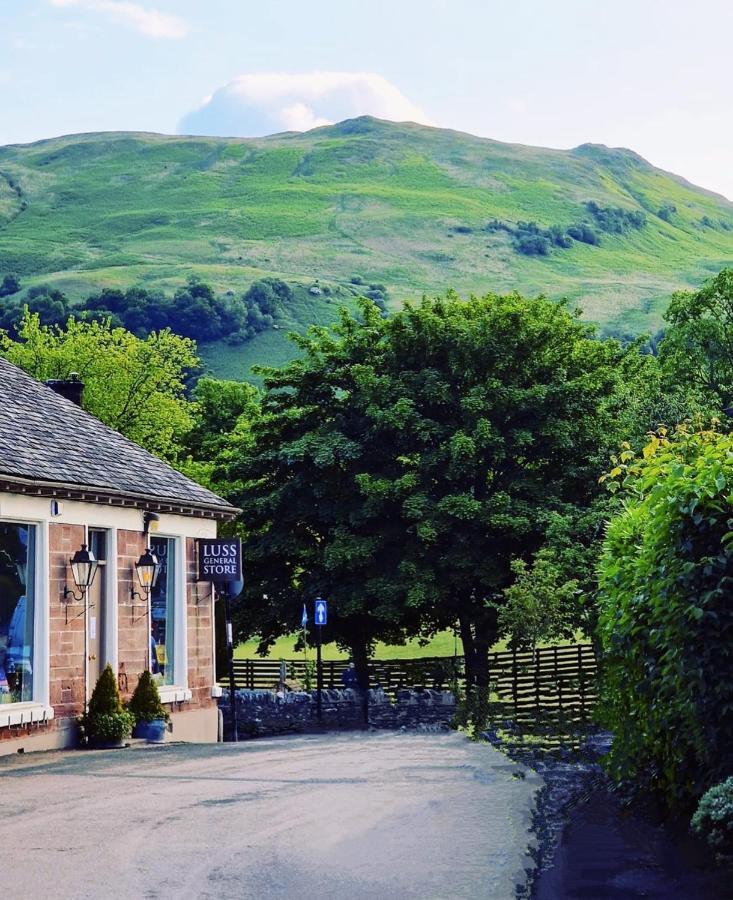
(151, 717)
(106, 723)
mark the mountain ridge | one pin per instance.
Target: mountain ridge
(413, 208)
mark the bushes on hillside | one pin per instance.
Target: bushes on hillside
(666, 211)
(9, 285)
(584, 234)
(667, 620)
(531, 239)
(194, 311)
(50, 304)
(614, 219)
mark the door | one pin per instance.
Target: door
(96, 603)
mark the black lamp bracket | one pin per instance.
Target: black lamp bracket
(68, 597)
(144, 601)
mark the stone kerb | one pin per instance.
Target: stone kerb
(262, 712)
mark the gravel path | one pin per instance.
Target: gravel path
(335, 816)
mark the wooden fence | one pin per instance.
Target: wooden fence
(552, 684)
(436, 672)
(555, 686)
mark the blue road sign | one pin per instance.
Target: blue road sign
(321, 612)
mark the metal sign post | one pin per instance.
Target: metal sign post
(230, 658)
(320, 617)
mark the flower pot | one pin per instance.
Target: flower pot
(153, 732)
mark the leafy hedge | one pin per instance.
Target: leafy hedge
(666, 627)
(713, 819)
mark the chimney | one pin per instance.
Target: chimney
(72, 388)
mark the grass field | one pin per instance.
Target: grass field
(399, 204)
(441, 645)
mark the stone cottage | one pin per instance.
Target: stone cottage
(78, 503)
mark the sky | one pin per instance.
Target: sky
(651, 75)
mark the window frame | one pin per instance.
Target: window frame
(178, 691)
(38, 708)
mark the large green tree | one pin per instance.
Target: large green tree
(135, 386)
(402, 465)
(697, 350)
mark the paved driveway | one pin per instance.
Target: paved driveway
(345, 817)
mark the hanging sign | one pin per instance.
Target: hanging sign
(219, 559)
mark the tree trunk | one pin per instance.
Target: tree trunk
(477, 641)
(469, 653)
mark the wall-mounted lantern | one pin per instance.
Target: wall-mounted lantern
(84, 567)
(148, 569)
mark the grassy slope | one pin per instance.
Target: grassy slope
(364, 197)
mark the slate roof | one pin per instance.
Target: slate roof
(48, 440)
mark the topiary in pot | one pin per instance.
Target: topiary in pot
(150, 714)
(713, 819)
(106, 723)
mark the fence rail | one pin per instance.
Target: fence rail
(552, 684)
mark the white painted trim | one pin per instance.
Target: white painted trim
(21, 507)
(169, 693)
(180, 625)
(42, 614)
(216, 691)
(24, 714)
(112, 601)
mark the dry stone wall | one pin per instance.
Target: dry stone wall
(261, 713)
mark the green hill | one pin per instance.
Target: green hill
(410, 207)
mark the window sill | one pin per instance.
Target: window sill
(24, 714)
(216, 691)
(172, 694)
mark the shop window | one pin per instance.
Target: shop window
(162, 611)
(17, 606)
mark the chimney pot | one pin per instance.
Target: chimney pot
(72, 388)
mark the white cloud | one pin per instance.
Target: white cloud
(263, 103)
(150, 22)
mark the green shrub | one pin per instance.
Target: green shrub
(110, 728)
(614, 219)
(106, 721)
(666, 211)
(666, 625)
(583, 233)
(145, 702)
(713, 819)
(9, 285)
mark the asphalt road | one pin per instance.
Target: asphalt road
(336, 816)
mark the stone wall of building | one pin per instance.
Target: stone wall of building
(200, 613)
(133, 624)
(261, 713)
(67, 663)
